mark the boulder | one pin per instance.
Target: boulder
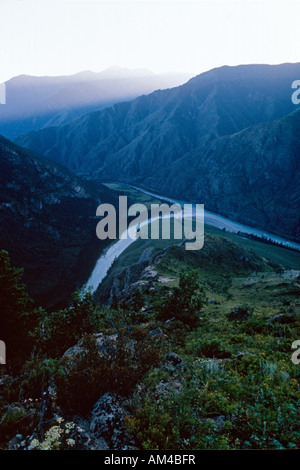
(106, 422)
(106, 347)
(283, 318)
(155, 332)
(174, 359)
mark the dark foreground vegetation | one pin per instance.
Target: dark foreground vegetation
(196, 355)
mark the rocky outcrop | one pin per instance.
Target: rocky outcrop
(141, 274)
(106, 347)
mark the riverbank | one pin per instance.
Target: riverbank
(213, 224)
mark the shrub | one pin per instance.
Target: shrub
(60, 330)
(213, 348)
(240, 313)
(185, 301)
(17, 419)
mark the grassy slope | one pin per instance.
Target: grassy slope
(277, 257)
(238, 372)
(267, 284)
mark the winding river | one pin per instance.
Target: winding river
(107, 258)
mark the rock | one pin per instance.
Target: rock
(106, 347)
(107, 422)
(165, 279)
(146, 255)
(85, 439)
(174, 364)
(150, 273)
(218, 421)
(282, 318)
(240, 355)
(170, 320)
(15, 442)
(174, 359)
(168, 387)
(155, 332)
(5, 381)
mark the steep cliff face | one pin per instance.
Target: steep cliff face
(48, 223)
(188, 142)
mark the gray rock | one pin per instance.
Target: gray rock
(106, 346)
(218, 421)
(168, 387)
(283, 318)
(174, 359)
(107, 422)
(85, 438)
(5, 380)
(14, 443)
(240, 313)
(242, 354)
(155, 332)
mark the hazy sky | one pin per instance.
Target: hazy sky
(51, 37)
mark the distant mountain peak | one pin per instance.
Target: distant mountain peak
(115, 71)
(34, 102)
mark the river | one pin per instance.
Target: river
(107, 258)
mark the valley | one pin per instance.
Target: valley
(142, 344)
(211, 220)
(230, 133)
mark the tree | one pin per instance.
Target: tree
(185, 301)
(17, 316)
(58, 331)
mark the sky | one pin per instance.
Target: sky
(62, 37)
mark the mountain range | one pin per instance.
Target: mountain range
(226, 138)
(36, 102)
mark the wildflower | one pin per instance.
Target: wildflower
(70, 442)
(70, 425)
(34, 443)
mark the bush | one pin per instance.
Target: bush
(117, 371)
(185, 301)
(240, 313)
(60, 330)
(17, 419)
(212, 348)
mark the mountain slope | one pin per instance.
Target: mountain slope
(251, 176)
(36, 102)
(171, 122)
(182, 131)
(47, 223)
